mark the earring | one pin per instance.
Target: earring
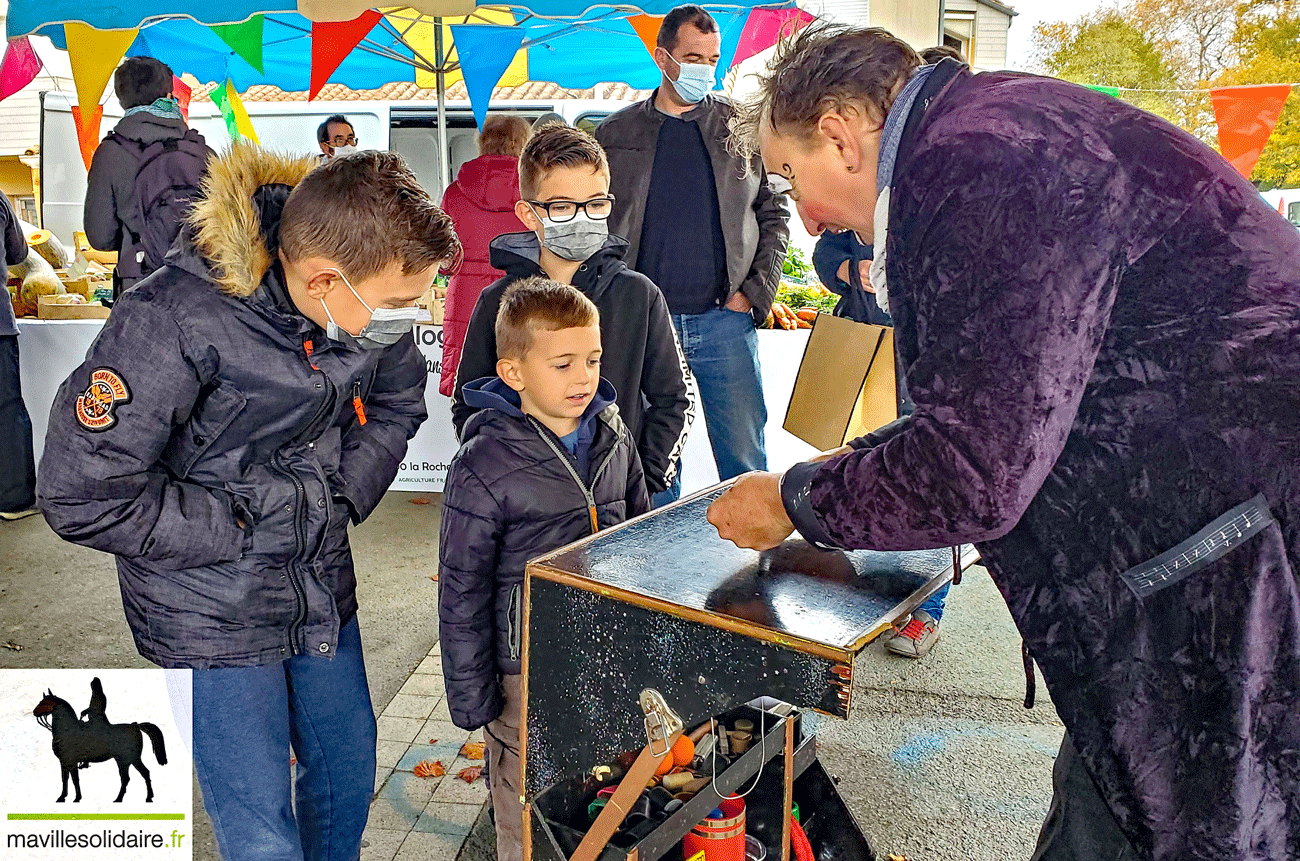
(850, 167)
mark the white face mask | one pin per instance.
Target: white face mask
(386, 326)
(694, 80)
(340, 151)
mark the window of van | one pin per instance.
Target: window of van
(589, 122)
(1293, 213)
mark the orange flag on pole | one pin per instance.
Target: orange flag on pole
(331, 42)
(1246, 118)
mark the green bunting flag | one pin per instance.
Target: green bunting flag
(1110, 91)
(245, 38)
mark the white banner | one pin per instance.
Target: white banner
(434, 444)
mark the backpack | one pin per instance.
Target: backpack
(166, 185)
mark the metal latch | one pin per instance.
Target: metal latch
(661, 722)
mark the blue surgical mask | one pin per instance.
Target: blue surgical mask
(694, 80)
(386, 326)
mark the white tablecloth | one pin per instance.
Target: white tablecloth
(50, 350)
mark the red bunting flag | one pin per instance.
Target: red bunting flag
(765, 27)
(19, 67)
(183, 94)
(1246, 118)
(332, 41)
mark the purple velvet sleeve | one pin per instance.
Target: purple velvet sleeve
(1007, 271)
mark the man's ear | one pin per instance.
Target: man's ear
(509, 371)
(838, 129)
(663, 60)
(524, 212)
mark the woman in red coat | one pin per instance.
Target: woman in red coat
(481, 202)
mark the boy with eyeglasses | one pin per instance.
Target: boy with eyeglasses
(564, 180)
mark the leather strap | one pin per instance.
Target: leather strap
(620, 803)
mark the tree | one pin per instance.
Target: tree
(1105, 49)
(1187, 47)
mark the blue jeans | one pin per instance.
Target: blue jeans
(721, 348)
(245, 720)
(934, 604)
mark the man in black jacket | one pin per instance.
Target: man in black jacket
(143, 86)
(564, 179)
(241, 406)
(704, 226)
(17, 462)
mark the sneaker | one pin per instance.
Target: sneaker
(18, 515)
(916, 638)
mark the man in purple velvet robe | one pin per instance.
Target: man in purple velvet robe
(1099, 321)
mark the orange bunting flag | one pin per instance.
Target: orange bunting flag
(331, 42)
(1246, 118)
(647, 29)
(88, 131)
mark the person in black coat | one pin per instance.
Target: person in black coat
(17, 462)
(545, 460)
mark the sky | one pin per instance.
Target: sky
(1033, 12)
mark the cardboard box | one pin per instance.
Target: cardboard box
(846, 385)
(48, 309)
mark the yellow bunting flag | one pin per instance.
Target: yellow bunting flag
(94, 54)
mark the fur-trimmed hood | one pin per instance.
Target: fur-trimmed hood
(235, 225)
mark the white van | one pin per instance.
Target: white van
(406, 127)
(1285, 201)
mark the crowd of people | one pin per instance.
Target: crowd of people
(1098, 328)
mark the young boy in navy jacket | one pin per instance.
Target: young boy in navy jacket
(545, 460)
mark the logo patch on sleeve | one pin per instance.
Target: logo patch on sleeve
(97, 406)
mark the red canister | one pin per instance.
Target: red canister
(719, 839)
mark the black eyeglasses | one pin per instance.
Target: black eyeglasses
(560, 211)
(339, 140)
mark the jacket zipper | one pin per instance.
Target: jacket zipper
(516, 623)
(300, 537)
(568, 464)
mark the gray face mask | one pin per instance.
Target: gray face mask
(576, 239)
(387, 326)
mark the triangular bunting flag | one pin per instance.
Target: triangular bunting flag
(765, 27)
(94, 54)
(245, 39)
(238, 124)
(183, 94)
(1113, 92)
(19, 67)
(1246, 118)
(647, 28)
(332, 42)
(485, 53)
(87, 131)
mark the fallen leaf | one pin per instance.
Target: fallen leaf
(433, 577)
(433, 741)
(893, 857)
(471, 774)
(472, 750)
(429, 769)
(421, 500)
(13, 647)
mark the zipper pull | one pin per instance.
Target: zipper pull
(308, 347)
(595, 524)
(356, 403)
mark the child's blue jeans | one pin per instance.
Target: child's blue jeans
(246, 719)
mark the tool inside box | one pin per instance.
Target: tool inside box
(562, 814)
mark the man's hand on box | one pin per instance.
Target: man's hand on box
(751, 514)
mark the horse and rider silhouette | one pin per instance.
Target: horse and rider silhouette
(77, 742)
